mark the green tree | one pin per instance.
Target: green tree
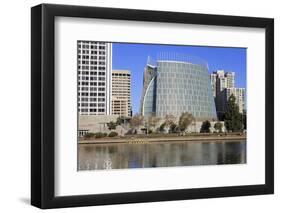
(233, 119)
(121, 120)
(218, 126)
(111, 125)
(185, 120)
(244, 119)
(205, 127)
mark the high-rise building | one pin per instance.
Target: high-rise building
(239, 94)
(230, 76)
(214, 83)
(178, 84)
(94, 77)
(148, 75)
(121, 93)
(223, 85)
(221, 80)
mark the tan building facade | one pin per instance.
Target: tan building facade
(121, 93)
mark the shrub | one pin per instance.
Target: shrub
(100, 135)
(218, 127)
(112, 134)
(150, 131)
(111, 125)
(129, 132)
(89, 135)
(205, 128)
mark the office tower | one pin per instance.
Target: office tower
(121, 93)
(148, 75)
(179, 84)
(223, 80)
(94, 77)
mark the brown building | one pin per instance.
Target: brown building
(121, 93)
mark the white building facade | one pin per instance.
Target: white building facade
(94, 64)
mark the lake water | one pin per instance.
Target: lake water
(166, 154)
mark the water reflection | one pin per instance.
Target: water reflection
(122, 156)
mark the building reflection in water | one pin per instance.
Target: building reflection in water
(123, 156)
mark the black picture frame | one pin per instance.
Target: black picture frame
(43, 102)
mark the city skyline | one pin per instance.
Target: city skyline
(142, 93)
(134, 57)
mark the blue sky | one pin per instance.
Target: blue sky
(133, 57)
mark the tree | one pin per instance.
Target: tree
(244, 119)
(218, 126)
(136, 121)
(233, 119)
(153, 121)
(185, 120)
(173, 128)
(121, 120)
(162, 127)
(169, 120)
(205, 127)
(111, 125)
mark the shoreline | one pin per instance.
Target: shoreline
(140, 140)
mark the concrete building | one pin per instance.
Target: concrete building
(178, 84)
(213, 77)
(221, 80)
(121, 93)
(230, 77)
(97, 123)
(94, 77)
(223, 85)
(239, 94)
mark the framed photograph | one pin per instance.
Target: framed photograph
(139, 106)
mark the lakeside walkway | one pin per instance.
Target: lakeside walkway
(143, 140)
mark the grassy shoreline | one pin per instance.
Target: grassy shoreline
(136, 139)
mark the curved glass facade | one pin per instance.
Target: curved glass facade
(180, 87)
(149, 106)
